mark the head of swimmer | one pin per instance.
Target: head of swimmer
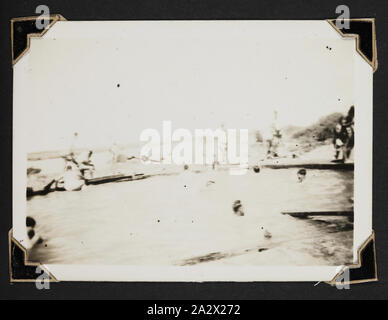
(238, 209)
(301, 174)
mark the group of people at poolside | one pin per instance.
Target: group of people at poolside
(343, 137)
(272, 137)
(77, 171)
(78, 168)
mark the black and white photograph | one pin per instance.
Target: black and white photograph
(195, 157)
(189, 144)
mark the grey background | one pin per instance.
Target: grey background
(197, 10)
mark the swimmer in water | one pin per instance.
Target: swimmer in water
(301, 175)
(256, 169)
(266, 234)
(238, 208)
(338, 141)
(33, 238)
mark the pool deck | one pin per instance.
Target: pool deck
(319, 165)
(306, 214)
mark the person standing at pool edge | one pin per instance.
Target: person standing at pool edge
(338, 141)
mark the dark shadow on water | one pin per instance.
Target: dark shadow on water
(220, 255)
(334, 226)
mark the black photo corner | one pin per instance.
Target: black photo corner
(368, 278)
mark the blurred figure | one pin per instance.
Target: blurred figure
(85, 164)
(338, 141)
(114, 150)
(72, 179)
(256, 169)
(273, 137)
(33, 238)
(350, 116)
(343, 136)
(266, 233)
(238, 208)
(301, 174)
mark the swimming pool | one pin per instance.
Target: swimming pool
(183, 220)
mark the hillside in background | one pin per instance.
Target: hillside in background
(321, 130)
(314, 135)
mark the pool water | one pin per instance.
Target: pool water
(184, 220)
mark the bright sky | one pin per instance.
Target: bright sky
(111, 88)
